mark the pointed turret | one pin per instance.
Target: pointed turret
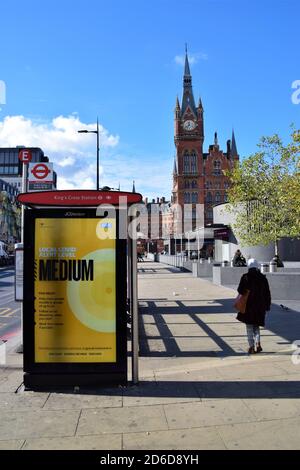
(133, 186)
(175, 166)
(177, 108)
(234, 152)
(188, 97)
(200, 104)
(216, 139)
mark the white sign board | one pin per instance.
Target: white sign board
(40, 176)
(2, 353)
(19, 272)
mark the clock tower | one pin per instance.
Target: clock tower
(188, 175)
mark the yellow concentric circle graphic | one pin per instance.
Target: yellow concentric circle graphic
(94, 302)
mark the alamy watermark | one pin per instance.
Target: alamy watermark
(2, 92)
(296, 94)
(296, 354)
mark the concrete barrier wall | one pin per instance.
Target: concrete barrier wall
(198, 269)
(202, 269)
(227, 275)
(284, 286)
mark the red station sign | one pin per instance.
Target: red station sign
(25, 156)
(40, 171)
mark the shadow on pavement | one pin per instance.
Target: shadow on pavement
(194, 389)
(282, 323)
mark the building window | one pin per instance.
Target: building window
(194, 198)
(194, 184)
(225, 197)
(186, 184)
(193, 162)
(218, 197)
(209, 214)
(208, 197)
(226, 185)
(187, 198)
(186, 162)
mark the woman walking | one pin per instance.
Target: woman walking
(256, 285)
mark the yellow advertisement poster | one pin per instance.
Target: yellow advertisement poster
(75, 290)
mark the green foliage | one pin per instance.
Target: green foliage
(265, 192)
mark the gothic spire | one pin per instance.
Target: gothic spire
(175, 166)
(216, 139)
(188, 97)
(133, 186)
(234, 152)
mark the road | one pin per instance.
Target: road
(10, 311)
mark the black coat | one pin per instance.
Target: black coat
(259, 299)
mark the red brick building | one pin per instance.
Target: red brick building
(198, 176)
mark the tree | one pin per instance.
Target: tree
(265, 192)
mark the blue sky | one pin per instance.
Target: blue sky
(65, 62)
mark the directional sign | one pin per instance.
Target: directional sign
(25, 156)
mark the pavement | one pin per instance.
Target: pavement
(199, 389)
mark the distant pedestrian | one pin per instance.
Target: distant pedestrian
(238, 259)
(256, 285)
(278, 261)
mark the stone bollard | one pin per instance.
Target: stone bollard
(273, 267)
(264, 267)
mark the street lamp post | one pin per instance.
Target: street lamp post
(85, 131)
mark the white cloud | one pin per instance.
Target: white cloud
(193, 58)
(74, 155)
(68, 161)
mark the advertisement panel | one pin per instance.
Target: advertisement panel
(75, 290)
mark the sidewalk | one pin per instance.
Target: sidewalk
(199, 389)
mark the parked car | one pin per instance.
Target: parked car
(4, 256)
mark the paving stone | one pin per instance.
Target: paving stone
(266, 409)
(184, 439)
(265, 435)
(63, 401)
(22, 401)
(197, 344)
(31, 424)
(12, 381)
(11, 444)
(247, 370)
(103, 442)
(159, 394)
(187, 329)
(194, 415)
(122, 420)
(179, 318)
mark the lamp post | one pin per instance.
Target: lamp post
(85, 131)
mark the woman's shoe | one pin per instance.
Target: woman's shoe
(259, 349)
(251, 350)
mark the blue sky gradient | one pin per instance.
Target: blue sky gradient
(117, 60)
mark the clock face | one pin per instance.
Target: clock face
(189, 125)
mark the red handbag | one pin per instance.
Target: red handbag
(240, 302)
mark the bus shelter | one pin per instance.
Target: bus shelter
(79, 288)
